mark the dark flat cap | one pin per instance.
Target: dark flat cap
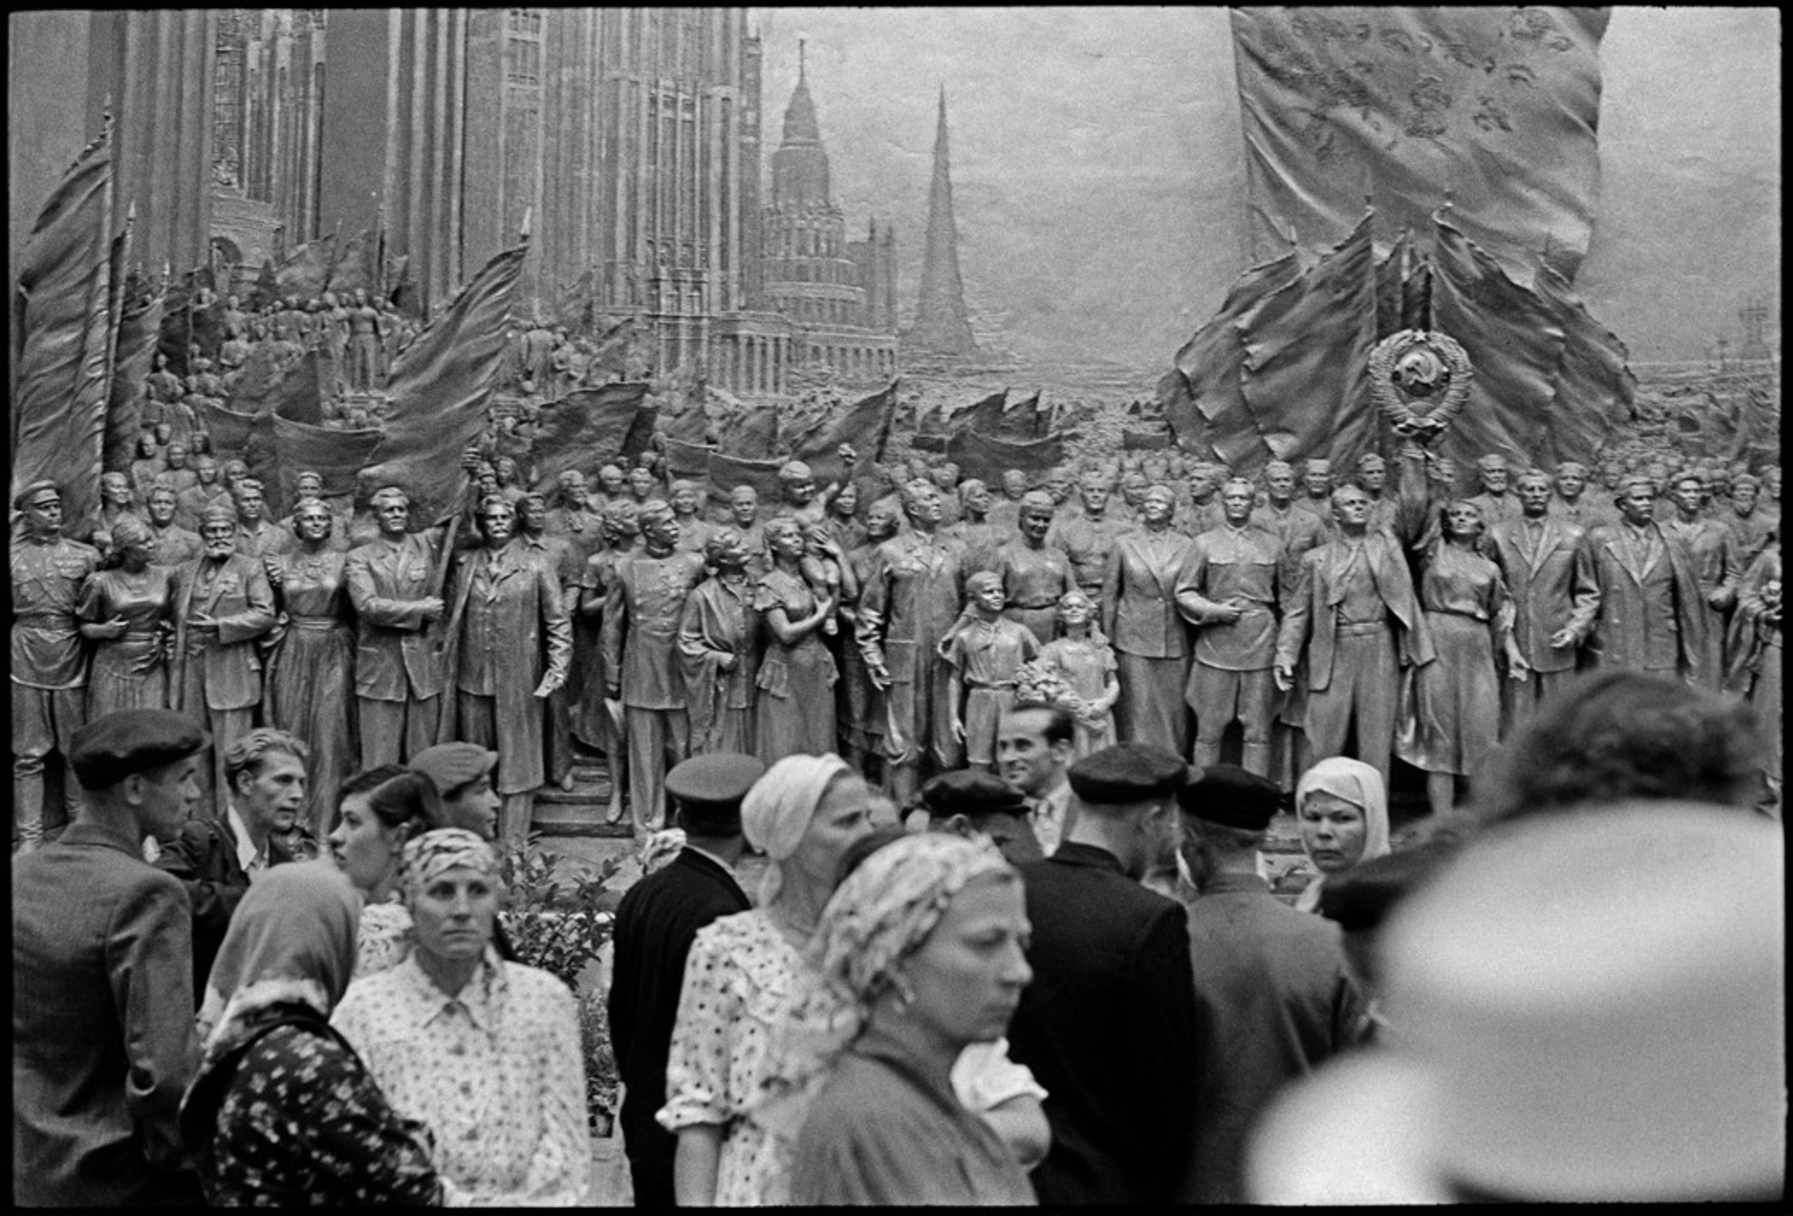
(1127, 772)
(713, 779)
(115, 745)
(1232, 797)
(971, 793)
(452, 765)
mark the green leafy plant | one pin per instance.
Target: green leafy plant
(559, 919)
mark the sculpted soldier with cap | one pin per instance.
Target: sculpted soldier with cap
(1273, 988)
(1109, 1024)
(49, 666)
(655, 926)
(223, 606)
(102, 965)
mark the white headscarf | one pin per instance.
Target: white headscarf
(1359, 784)
(779, 807)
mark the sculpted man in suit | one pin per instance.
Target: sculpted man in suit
(1713, 550)
(102, 974)
(510, 641)
(1555, 597)
(223, 605)
(1651, 608)
(1353, 615)
(655, 925)
(1109, 1024)
(398, 667)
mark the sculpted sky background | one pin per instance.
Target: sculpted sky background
(1099, 177)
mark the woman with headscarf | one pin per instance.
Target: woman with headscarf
(925, 946)
(282, 1110)
(741, 1057)
(377, 813)
(484, 1052)
(1341, 808)
(127, 611)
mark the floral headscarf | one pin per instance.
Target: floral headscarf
(443, 849)
(886, 909)
(1360, 785)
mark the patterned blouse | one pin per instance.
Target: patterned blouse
(303, 1123)
(383, 939)
(738, 1059)
(497, 1074)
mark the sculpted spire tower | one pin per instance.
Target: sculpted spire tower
(941, 325)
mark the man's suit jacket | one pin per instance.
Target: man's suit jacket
(204, 858)
(655, 925)
(102, 1024)
(1550, 590)
(1313, 607)
(1276, 999)
(1110, 1029)
(242, 603)
(395, 654)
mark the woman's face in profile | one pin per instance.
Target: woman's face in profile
(1332, 831)
(842, 817)
(968, 975)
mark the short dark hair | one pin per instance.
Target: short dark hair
(1620, 735)
(397, 796)
(1061, 725)
(864, 847)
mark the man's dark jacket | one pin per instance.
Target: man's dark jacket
(655, 925)
(204, 858)
(1109, 1027)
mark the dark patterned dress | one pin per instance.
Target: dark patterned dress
(299, 1120)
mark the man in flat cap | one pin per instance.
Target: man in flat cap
(1109, 1025)
(1272, 985)
(49, 665)
(102, 1044)
(223, 604)
(655, 925)
(968, 802)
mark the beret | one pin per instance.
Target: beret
(714, 778)
(452, 765)
(1127, 772)
(113, 746)
(973, 794)
(1232, 797)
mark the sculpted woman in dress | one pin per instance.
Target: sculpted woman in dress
(796, 679)
(307, 688)
(127, 611)
(1150, 640)
(1450, 723)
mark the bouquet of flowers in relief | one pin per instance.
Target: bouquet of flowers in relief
(1044, 683)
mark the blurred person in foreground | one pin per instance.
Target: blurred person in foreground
(1626, 734)
(1109, 1025)
(925, 945)
(1565, 1032)
(1274, 989)
(102, 977)
(655, 925)
(282, 1110)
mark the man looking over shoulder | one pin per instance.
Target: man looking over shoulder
(102, 1042)
(1034, 748)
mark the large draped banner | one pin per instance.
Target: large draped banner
(305, 270)
(987, 458)
(440, 385)
(133, 353)
(865, 424)
(1496, 106)
(590, 427)
(249, 436)
(62, 352)
(336, 456)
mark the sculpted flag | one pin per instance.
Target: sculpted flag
(336, 456)
(249, 436)
(685, 459)
(297, 397)
(1306, 348)
(133, 354)
(984, 415)
(1497, 105)
(306, 269)
(982, 456)
(1203, 398)
(1593, 390)
(62, 360)
(353, 269)
(865, 424)
(439, 387)
(258, 381)
(727, 471)
(587, 428)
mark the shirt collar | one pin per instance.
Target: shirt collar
(246, 851)
(481, 998)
